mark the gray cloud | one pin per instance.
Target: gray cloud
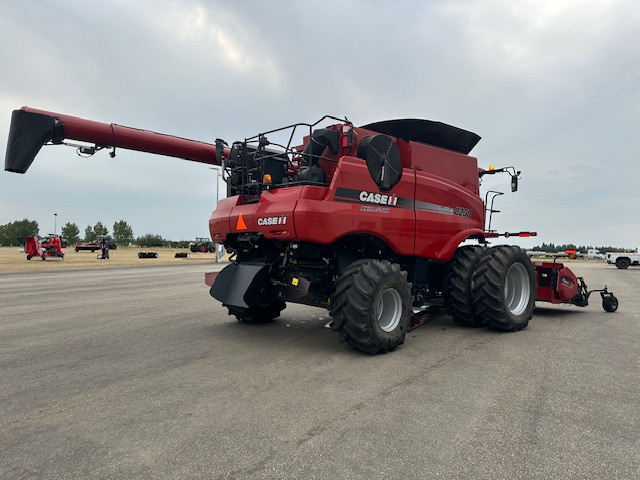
(551, 86)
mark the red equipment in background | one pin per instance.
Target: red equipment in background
(50, 247)
(558, 284)
(93, 246)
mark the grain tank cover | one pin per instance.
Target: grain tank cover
(437, 134)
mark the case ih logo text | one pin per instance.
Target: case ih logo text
(378, 198)
(272, 221)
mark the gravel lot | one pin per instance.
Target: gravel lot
(137, 373)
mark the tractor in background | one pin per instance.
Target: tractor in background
(202, 244)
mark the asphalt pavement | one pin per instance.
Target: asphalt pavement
(140, 374)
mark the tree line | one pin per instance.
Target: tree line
(553, 248)
(13, 234)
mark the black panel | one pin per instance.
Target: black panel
(239, 285)
(437, 134)
(28, 133)
(383, 160)
(320, 139)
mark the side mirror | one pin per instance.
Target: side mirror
(514, 183)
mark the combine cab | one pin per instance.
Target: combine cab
(366, 222)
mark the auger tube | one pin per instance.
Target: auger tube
(32, 128)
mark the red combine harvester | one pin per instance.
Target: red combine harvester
(50, 247)
(366, 222)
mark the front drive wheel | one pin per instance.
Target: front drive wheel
(372, 305)
(257, 313)
(504, 290)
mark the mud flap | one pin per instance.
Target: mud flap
(239, 285)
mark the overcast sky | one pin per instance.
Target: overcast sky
(551, 86)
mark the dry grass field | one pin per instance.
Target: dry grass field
(12, 260)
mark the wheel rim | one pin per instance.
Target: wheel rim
(389, 310)
(517, 290)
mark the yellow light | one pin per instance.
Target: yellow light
(266, 179)
(491, 167)
(294, 281)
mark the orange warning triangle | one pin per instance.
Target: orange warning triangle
(241, 225)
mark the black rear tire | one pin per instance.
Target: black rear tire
(623, 263)
(458, 286)
(257, 313)
(372, 305)
(504, 290)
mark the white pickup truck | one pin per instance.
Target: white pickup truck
(623, 260)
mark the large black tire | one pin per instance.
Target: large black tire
(504, 290)
(257, 313)
(372, 305)
(623, 263)
(458, 285)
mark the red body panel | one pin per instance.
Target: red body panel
(455, 167)
(324, 215)
(445, 213)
